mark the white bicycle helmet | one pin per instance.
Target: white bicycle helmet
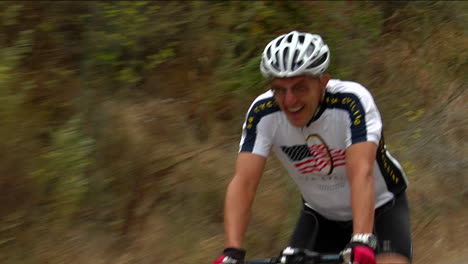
(294, 54)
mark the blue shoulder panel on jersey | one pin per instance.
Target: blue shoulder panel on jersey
(259, 110)
(350, 103)
(394, 177)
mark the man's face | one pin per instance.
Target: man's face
(299, 96)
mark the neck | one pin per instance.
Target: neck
(318, 110)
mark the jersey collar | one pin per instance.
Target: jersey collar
(320, 110)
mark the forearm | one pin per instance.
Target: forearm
(362, 202)
(237, 211)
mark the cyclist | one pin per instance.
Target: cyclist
(328, 135)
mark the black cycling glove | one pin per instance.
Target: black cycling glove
(231, 256)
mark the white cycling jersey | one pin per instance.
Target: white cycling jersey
(314, 155)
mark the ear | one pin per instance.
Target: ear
(325, 78)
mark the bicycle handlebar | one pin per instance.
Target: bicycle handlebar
(317, 259)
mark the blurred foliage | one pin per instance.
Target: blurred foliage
(61, 173)
(123, 39)
(74, 150)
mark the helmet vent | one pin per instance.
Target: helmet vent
(289, 39)
(285, 57)
(268, 53)
(301, 39)
(319, 61)
(310, 49)
(278, 42)
(296, 64)
(276, 62)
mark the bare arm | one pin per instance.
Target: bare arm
(240, 195)
(360, 160)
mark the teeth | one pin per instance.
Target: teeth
(295, 109)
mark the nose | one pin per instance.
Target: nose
(289, 98)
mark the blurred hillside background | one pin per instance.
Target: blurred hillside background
(120, 122)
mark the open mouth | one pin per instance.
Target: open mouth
(295, 109)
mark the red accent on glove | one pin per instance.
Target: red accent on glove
(234, 255)
(219, 260)
(363, 255)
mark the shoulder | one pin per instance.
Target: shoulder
(264, 97)
(347, 92)
(263, 105)
(339, 86)
(262, 113)
(259, 126)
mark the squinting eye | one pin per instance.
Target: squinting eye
(300, 89)
(278, 90)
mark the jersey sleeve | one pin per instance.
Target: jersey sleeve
(365, 121)
(259, 127)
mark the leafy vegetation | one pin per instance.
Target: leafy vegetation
(117, 118)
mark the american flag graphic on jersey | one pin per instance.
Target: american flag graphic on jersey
(315, 158)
